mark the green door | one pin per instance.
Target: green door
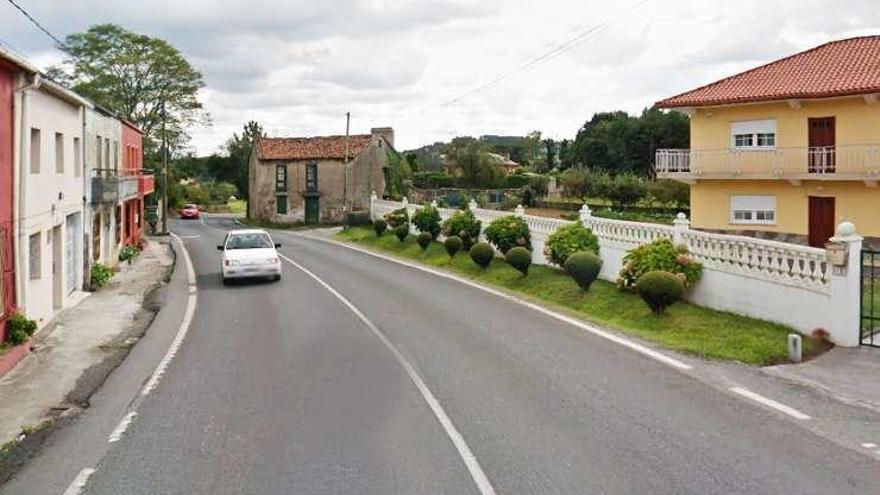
(312, 210)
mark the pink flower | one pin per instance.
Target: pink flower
(683, 260)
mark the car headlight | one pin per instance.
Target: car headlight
(232, 263)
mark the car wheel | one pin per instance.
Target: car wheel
(225, 280)
(276, 277)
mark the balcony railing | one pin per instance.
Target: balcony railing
(845, 162)
(111, 185)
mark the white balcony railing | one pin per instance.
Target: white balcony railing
(861, 162)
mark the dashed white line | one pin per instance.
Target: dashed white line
(794, 413)
(79, 482)
(117, 433)
(470, 461)
(869, 445)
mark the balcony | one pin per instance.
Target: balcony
(146, 184)
(846, 162)
(109, 186)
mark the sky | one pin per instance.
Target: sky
(435, 69)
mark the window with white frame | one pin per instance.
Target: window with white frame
(759, 210)
(753, 134)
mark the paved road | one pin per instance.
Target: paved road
(280, 388)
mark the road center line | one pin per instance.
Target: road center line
(794, 413)
(121, 427)
(79, 482)
(464, 451)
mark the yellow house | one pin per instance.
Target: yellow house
(786, 150)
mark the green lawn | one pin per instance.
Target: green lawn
(684, 327)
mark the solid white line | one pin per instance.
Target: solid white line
(464, 451)
(121, 427)
(869, 445)
(617, 339)
(794, 413)
(79, 482)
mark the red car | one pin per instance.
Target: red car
(189, 212)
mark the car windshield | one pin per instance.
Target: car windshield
(248, 241)
(190, 207)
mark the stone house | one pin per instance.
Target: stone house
(311, 180)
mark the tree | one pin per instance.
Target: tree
(549, 156)
(138, 76)
(471, 157)
(238, 151)
(532, 148)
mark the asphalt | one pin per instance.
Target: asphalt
(280, 388)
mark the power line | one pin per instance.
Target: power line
(57, 41)
(592, 31)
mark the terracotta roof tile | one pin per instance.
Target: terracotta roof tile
(313, 148)
(838, 68)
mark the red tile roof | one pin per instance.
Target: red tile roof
(313, 148)
(839, 68)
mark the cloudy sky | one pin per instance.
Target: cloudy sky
(298, 66)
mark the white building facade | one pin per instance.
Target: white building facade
(103, 135)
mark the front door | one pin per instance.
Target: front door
(70, 264)
(57, 268)
(822, 145)
(312, 210)
(821, 220)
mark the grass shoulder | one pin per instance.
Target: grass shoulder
(683, 327)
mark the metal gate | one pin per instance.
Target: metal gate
(870, 305)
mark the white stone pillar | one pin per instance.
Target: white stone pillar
(434, 204)
(472, 205)
(373, 199)
(586, 215)
(680, 225)
(519, 211)
(846, 290)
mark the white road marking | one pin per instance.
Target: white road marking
(464, 451)
(617, 339)
(769, 403)
(189, 237)
(121, 427)
(79, 482)
(869, 445)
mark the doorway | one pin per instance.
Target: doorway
(822, 142)
(821, 220)
(312, 209)
(57, 268)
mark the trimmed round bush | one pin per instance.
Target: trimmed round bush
(482, 254)
(19, 328)
(659, 255)
(519, 258)
(397, 218)
(567, 240)
(583, 267)
(401, 231)
(379, 227)
(508, 232)
(427, 219)
(660, 289)
(465, 225)
(424, 239)
(452, 245)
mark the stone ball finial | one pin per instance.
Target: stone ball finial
(845, 229)
(681, 216)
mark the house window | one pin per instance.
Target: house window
(312, 177)
(34, 261)
(77, 157)
(117, 220)
(59, 153)
(281, 178)
(281, 204)
(760, 210)
(107, 154)
(35, 150)
(115, 155)
(753, 134)
(98, 152)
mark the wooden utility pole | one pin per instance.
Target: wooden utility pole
(345, 172)
(164, 174)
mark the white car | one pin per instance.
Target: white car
(249, 253)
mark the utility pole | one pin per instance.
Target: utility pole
(164, 174)
(345, 172)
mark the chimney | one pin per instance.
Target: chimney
(385, 132)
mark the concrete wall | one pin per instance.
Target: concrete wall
(98, 124)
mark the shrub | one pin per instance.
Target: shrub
(670, 192)
(128, 253)
(359, 218)
(397, 218)
(570, 239)
(626, 189)
(100, 275)
(659, 255)
(583, 267)
(19, 328)
(424, 239)
(379, 227)
(482, 254)
(659, 289)
(465, 225)
(507, 232)
(519, 258)
(401, 231)
(427, 219)
(452, 245)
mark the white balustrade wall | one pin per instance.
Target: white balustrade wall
(775, 281)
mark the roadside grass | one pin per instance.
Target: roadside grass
(683, 327)
(267, 224)
(237, 206)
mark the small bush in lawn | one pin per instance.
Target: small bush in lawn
(100, 275)
(379, 227)
(569, 239)
(465, 225)
(424, 239)
(482, 254)
(19, 328)
(658, 255)
(507, 232)
(519, 258)
(452, 245)
(427, 219)
(583, 267)
(660, 289)
(401, 231)
(397, 218)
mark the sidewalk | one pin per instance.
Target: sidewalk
(74, 353)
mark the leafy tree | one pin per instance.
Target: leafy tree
(471, 157)
(549, 156)
(234, 168)
(532, 148)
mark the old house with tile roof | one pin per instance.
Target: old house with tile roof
(317, 179)
(786, 150)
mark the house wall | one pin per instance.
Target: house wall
(97, 124)
(132, 165)
(7, 253)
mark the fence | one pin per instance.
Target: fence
(786, 283)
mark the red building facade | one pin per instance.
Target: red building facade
(133, 165)
(7, 141)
